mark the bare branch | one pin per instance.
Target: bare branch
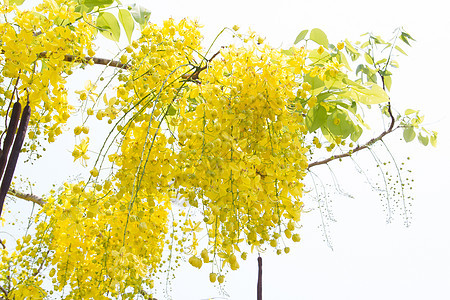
(86, 59)
(349, 153)
(97, 60)
(29, 197)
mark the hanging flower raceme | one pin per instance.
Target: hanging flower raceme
(242, 158)
(40, 54)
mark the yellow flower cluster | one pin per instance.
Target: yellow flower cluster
(242, 157)
(35, 50)
(95, 243)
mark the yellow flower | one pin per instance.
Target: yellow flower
(336, 121)
(320, 50)
(306, 86)
(94, 172)
(121, 257)
(312, 101)
(81, 150)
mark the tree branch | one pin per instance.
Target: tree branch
(349, 153)
(86, 59)
(4, 292)
(194, 76)
(97, 60)
(359, 148)
(29, 197)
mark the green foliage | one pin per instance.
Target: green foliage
(409, 134)
(316, 35)
(108, 25)
(319, 37)
(94, 3)
(301, 36)
(127, 22)
(140, 14)
(17, 2)
(315, 118)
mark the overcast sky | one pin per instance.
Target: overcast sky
(371, 259)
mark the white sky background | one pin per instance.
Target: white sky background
(371, 260)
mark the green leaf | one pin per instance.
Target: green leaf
(317, 58)
(61, 22)
(410, 111)
(385, 73)
(315, 82)
(340, 124)
(365, 44)
(350, 48)
(378, 40)
(356, 134)
(109, 26)
(388, 82)
(324, 95)
(171, 111)
(360, 68)
(127, 22)
(405, 36)
(334, 83)
(368, 58)
(83, 9)
(301, 36)
(343, 60)
(319, 37)
(400, 50)
(93, 3)
(409, 134)
(316, 117)
(433, 139)
(423, 139)
(394, 64)
(372, 94)
(371, 75)
(289, 51)
(16, 2)
(140, 14)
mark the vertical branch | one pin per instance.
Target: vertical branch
(11, 131)
(18, 141)
(259, 285)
